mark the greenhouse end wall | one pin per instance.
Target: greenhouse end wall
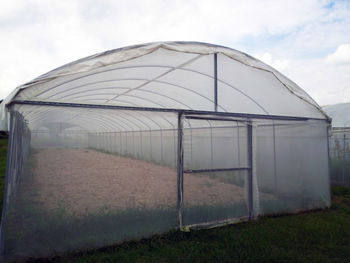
(98, 177)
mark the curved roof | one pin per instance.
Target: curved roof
(176, 75)
(340, 114)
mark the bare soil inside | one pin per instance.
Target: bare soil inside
(83, 181)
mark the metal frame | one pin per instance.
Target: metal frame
(212, 224)
(181, 115)
(329, 162)
(190, 117)
(215, 170)
(179, 170)
(4, 206)
(344, 154)
(185, 111)
(274, 156)
(215, 82)
(250, 175)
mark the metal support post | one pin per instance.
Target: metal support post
(250, 175)
(179, 170)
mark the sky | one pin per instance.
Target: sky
(306, 40)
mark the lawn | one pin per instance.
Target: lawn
(319, 236)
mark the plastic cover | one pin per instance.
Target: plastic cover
(339, 142)
(177, 75)
(339, 114)
(88, 178)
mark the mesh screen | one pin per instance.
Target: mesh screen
(339, 143)
(213, 190)
(214, 197)
(87, 188)
(87, 178)
(292, 167)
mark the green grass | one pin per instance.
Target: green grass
(321, 236)
(318, 236)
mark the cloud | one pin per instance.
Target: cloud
(326, 83)
(38, 36)
(341, 55)
(275, 63)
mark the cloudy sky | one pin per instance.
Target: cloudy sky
(308, 40)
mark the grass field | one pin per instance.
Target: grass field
(319, 236)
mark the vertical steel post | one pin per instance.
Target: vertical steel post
(211, 147)
(191, 146)
(150, 144)
(141, 145)
(238, 152)
(216, 82)
(175, 158)
(238, 146)
(108, 142)
(179, 169)
(274, 156)
(344, 144)
(7, 178)
(161, 146)
(133, 144)
(126, 144)
(120, 143)
(250, 175)
(329, 160)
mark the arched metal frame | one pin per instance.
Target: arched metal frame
(131, 118)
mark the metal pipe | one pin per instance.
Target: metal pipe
(329, 162)
(250, 175)
(243, 115)
(7, 178)
(161, 146)
(211, 147)
(274, 156)
(216, 170)
(179, 171)
(344, 146)
(215, 82)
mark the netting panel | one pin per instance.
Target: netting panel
(82, 189)
(86, 178)
(292, 166)
(213, 190)
(339, 143)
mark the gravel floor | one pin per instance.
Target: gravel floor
(85, 181)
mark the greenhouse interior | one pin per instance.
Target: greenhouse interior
(339, 142)
(144, 139)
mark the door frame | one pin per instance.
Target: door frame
(180, 169)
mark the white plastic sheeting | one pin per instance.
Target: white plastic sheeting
(88, 178)
(145, 139)
(340, 114)
(339, 142)
(177, 75)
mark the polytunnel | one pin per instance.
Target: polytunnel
(339, 142)
(144, 139)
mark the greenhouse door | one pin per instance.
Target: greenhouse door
(216, 171)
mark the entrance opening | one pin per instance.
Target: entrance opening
(216, 170)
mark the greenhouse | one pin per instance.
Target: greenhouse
(144, 139)
(339, 143)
